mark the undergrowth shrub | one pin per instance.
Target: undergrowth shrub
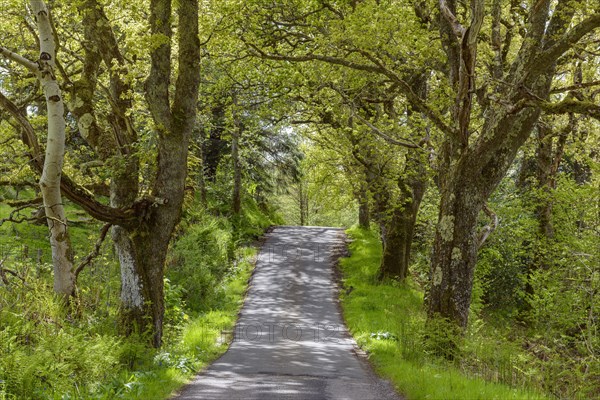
(204, 251)
(42, 353)
(200, 260)
(48, 351)
(550, 310)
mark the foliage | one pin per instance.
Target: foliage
(45, 356)
(322, 191)
(204, 251)
(329, 102)
(559, 307)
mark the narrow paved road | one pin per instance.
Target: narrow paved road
(290, 340)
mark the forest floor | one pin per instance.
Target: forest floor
(290, 340)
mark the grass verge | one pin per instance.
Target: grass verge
(388, 321)
(200, 340)
(42, 356)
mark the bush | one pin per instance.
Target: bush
(42, 355)
(200, 260)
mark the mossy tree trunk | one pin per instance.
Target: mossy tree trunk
(399, 229)
(364, 215)
(173, 124)
(471, 168)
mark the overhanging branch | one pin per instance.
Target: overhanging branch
(386, 137)
(549, 56)
(571, 105)
(576, 86)
(376, 67)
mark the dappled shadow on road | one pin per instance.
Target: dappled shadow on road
(290, 341)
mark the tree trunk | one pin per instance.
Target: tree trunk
(302, 202)
(545, 179)
(214, 146)
(364, 218)
(143, 248)
(142, 294)
(454, 254)
(465, 184)
(124, 189)
(399, 230)
(394, 260)
(142, 253)
(237, 169)
(62, 254)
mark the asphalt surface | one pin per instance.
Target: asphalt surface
(290, 341)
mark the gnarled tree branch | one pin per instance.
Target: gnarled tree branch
(94, 253)
(73, 191)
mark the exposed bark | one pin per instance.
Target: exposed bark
(487, 230)
(454, 253)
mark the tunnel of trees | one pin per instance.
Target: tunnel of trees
(144, 146)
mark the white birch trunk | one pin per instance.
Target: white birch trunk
(62, 255)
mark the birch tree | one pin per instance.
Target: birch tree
(44, 68)
(101, 86)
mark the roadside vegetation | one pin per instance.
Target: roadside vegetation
(44, 355)
(146, 145)
(388, 321)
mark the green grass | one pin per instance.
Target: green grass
(388, 321)
(199, 344)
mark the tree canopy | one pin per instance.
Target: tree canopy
(464, 135)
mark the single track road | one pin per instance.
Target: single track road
(290, 341)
